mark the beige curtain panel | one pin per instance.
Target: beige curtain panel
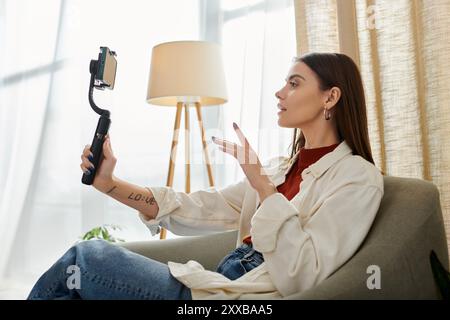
(402, 48)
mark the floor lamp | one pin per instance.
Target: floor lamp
(186, 74)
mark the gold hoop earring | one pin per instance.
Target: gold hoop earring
(327, 114)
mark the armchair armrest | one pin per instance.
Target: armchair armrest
(207, 250)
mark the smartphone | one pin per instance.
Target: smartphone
(105, 76)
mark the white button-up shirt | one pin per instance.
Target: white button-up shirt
(303, 240)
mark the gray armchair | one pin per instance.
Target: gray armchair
(408, 226)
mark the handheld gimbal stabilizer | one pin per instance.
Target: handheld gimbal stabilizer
(103, 74)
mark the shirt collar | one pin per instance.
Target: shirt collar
(325, 162)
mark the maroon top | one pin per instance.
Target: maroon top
(291, 186)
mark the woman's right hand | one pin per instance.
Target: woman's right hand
(105, 173)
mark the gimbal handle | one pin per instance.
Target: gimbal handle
(102, 129)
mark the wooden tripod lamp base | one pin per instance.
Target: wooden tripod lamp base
(184, 73)
(173, 149)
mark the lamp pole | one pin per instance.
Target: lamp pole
(173, 149)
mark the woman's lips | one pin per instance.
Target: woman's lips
(282, 109)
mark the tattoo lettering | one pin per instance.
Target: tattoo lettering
(111, 190)
(152, 199)
(139, 197)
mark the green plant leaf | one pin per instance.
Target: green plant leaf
(102, 232)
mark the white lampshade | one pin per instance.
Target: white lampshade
(186, 71)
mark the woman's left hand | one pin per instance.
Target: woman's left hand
(249, 162)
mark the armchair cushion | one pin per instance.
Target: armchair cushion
(409, 224)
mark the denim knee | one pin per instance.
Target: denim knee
(92, 246)
(92, 252)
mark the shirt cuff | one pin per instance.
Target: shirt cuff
(152, 225)
(268, 219)
(167, 201)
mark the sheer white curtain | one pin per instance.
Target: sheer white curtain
(402, 49)
(26, 73)
(258, 39)
(45, 120)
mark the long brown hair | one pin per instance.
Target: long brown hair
(339, 70)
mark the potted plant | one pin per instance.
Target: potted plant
(103, 232)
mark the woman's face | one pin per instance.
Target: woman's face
(300, 101)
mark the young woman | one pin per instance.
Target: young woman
(299, 217)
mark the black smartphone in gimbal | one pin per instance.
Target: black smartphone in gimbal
(103, 75)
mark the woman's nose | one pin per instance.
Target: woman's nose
(277, 95)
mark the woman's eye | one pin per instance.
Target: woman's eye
(293, 84)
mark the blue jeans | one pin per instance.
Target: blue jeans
(238, 262)
(107, 271)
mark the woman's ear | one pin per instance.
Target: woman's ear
(332, 97)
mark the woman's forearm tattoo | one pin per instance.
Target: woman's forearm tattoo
(152, 199)
(111, 189)
(140, 197)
